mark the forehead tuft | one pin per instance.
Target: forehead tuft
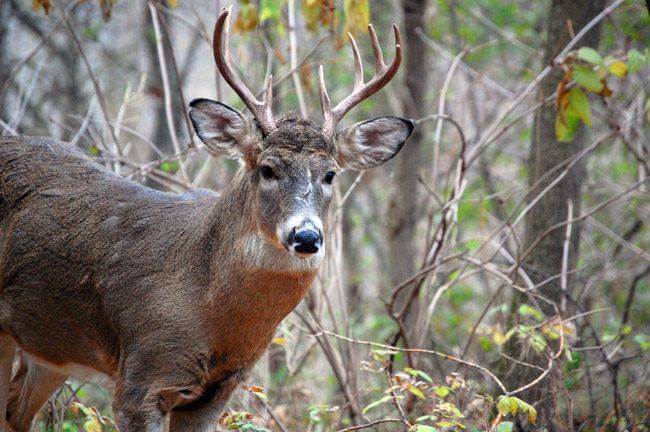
(298, 135)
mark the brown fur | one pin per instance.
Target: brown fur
(141, 285)
(172, 297)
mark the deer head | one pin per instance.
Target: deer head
(290, 162)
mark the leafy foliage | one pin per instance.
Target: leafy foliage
(586, 70)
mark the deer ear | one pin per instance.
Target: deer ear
(223, 129)
(371, 143)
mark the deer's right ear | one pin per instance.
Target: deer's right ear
(223, 129)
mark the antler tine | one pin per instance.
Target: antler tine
(261, 110)
(398, 39)
(358, 65)
(326, 107)
(384, 73)
(376, 49)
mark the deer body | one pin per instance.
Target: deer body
(171, 298)
(96, 269)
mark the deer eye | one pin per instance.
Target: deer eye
(329, 177)
(268, 173)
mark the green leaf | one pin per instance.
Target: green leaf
(587, 78)
(376, 403)
(590, 55)
(473, 244)
(575, 360)
(423, 428)
(381, 354)
(642, 340)
(565, 130)
(270, 9)
(485, 343)
(505, 427)
(511, 405)
(252, 427)
(527, 408)
(417, 392)
(450, 410)
(579, 102)
(170, 166)
(418, 373)
(527, 310)
(635, 61)
(442, 391)
(506, 405)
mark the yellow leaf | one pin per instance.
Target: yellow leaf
(514, 407)
(618, 68)
(92, 425)
(532, 415)
(498, 337)
(279, 341)
(416, 391)
(172, 3)
(357, 16)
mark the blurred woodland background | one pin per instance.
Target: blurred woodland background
(494, 276)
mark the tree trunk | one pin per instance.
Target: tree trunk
(565, 19)
(546, 152)
(404, 204)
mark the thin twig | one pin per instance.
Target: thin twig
(441, 111)
(179, 83)
(293, 53)
(391, 388)
(171, 127)
(565, 256)
(418, 351)
(372, 424)
(98, 91)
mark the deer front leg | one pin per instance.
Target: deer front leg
(7, 350)
(136, 409)
(146, 394)
(30, 389)
(202, 414)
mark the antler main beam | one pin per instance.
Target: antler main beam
(383, 74)
(261, 110)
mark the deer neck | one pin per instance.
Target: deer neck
(243, 244)
(249, 271)
(252, 279)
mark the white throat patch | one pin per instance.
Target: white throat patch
(262, 255)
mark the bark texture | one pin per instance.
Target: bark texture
(546, 152)
(565, 19)
(404, 202)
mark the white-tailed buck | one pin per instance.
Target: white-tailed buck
(171, 299)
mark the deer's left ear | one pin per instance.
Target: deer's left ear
(372, 142)
(223, 129)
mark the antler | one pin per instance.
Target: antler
(360, 91)
(261, 110)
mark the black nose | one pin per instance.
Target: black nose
(307, 241)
